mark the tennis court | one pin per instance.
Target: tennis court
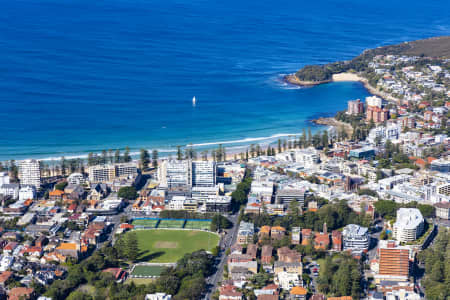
(171, 224)
(147, 271)
(202, 225)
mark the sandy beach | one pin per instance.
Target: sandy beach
(344, 77)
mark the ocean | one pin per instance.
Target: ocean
(80, 76)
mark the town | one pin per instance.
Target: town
(357, 211)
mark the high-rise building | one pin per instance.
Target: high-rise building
(377, 114)
(287, 195)
(4, 178)
(355, 107)
(30, 173)
(175, 173)
(355, 237)
(204, 173)
(409, 224)
(104, 173)
(393, 261)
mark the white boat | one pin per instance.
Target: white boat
(193, 101)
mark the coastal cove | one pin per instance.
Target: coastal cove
(79, 77)
(341, 77)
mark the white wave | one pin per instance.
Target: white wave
(246, 140)
(236, 144)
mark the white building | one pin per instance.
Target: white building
(158, 296)
(374, 101)
(355, 237)
(10, 189)
(204, 173)
(390, 132)
(105, 173)
(76, 179)
(27, 192)
(308, 157)
(30, 173)
(203, 193)
(390, 182)
(287, 280)
(409, 224)
(175, 173)
(4, 178)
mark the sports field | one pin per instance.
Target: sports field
(147, 271)
(171, 224)
(145, 222)
(204, 225)
(167, 246)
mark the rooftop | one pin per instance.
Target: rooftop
(408, 218)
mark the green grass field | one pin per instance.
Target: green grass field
(146, 223)
(147, 270)
(171, 224)
(204, 225)
(167, 246)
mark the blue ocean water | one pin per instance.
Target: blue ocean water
(79, 76)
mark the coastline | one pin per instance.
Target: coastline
(331, 121)
(343, 77)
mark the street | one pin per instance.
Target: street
(226, 242)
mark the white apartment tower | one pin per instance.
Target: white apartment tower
(409, 224)
(204, 173)
(175, 173)
(30, 173)
(355, 237)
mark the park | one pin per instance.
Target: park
(169, 245)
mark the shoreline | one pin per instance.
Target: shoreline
(331, 121)
(342, 77)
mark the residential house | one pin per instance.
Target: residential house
(321, 241)
(277, 232)
(266, 254)
(56, 195)
(290, 267)
(287, 255)
(264, 233)
(252, 249)
(336, 238)
(21, 293)
(298, 292)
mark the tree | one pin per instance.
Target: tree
(144, 158)
(155, 158)
(325, 139)
(309, 141)
(104, 159)
(117, 156)
(179, 153)
(132, 249)
(126, 155)
(279, 146)
(220, 222)
(63, 166)
(61, 185)
(127, 192)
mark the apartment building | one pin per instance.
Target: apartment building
(409, 224)
(175, 173)
(355, 237)
(30, 173)
(204, 173)
(443, 210)
(393, 261)
(104, 173)
(245, 233)
(355, 107)
(4, 178)
(287, 195)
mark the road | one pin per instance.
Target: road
(225, 243)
